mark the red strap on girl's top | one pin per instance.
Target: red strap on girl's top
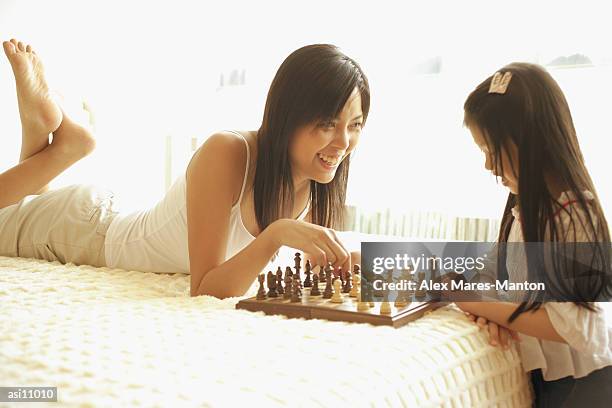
(567, 204)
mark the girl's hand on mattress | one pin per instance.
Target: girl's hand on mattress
(321, 244)
(498, 335)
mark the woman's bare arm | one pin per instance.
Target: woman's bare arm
(214, 178)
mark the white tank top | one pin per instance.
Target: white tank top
(155, 240)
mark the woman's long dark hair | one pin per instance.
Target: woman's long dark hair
(534, 115)
(313, 83)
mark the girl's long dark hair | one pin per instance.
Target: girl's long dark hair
(313, 83)
(534, 115)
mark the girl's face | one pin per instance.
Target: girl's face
(317, 149)
(509, 175)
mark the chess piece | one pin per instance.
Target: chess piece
(298, 267)
(356, 288)
(314, 291)
(298, 262)
(347, 283)
(356, 269)
(420, 293)
(296, 296)
(329, 271)
(261, 293)
(401, 300)
(288, 272)
(328, 292)
(296, 275)
(361, 305)
(337, 296)
(279, 281)
(434, 275)
(385, 306)
(272, 285)
(322, 277)
(299, 288)
(288, 287)
(406, 276)
(307, 272)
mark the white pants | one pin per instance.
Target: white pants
(66, 225)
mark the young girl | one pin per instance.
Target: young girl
(243, 196)
(521, 121)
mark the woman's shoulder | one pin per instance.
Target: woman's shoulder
(223, 153)
(224, 145)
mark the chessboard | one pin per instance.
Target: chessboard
(336, 297)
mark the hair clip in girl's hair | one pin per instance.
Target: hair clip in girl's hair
(499, 83)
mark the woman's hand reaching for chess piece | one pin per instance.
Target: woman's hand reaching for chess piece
(321, 244)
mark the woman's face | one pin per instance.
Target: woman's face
(509, 161)
(317, 149)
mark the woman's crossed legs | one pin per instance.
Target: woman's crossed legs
(39, 161)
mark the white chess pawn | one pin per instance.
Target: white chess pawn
(400, 302)
(337, 296)
(356, 289)
(362, 306)
(385, 308)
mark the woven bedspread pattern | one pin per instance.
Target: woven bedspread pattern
(109, 337)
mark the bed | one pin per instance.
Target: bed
(110, 337)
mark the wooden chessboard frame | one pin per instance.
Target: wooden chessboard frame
(347, 311)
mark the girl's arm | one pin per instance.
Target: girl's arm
(535, 324)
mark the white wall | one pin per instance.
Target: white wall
(151, 69)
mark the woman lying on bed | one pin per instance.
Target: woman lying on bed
(242, 197)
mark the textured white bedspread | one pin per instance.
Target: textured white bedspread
(108, 337)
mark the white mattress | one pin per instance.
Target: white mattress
(108, 337)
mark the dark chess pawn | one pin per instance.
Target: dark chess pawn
(314, 291)
(288, 272)
(321, 274)
(288, 287)
(296, 274)
(347, 283)
(296, 296)
(307, 272)
(272, 285)
(279, 281)
(261, 293)
(329, 291)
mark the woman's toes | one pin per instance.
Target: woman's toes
(9, 48)
(28, 48)
(20, 46)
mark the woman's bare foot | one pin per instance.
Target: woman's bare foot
(39, 113)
